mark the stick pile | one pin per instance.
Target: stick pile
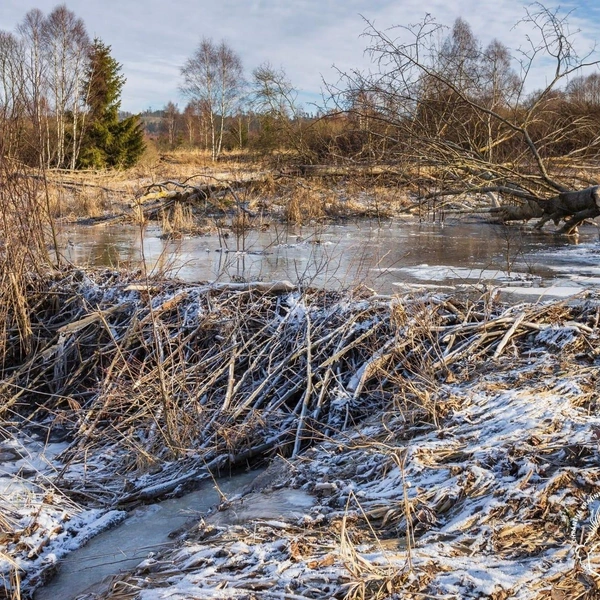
(426, 406)
(169, 379)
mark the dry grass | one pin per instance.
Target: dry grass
(96, 193)
(23, 248)
(320, 199)
(137, 215)
(240, 223)
(11, 582)
(180, 220)
(303, 206)
(80, 203)
(24, 256)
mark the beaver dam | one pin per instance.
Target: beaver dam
(449, 442)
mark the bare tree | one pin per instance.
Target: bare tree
(66, 44)
(170, 122)
(213, 77)
(500, 86)
(459, 57)
(462, 112)
(190, 120)
(585, 90)
(35, 83)
(12, 97)
(275, 100)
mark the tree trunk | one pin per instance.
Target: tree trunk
(570, 207)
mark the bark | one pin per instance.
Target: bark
(572, 207)
(523, 212)
(343, 171)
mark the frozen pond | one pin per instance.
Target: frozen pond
(386, 257)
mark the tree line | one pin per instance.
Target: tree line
(435, 98)
(226, 111)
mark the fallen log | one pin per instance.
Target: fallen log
(530, 209)
(572, 207)
(345, 171)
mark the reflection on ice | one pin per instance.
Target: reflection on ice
(342, 256)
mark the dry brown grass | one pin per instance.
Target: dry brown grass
(183, 163)
(179, 220)
(325, 199)
(137, 215)
(240, 223)
(11, 582)
(24, 257)
(24, 228)
(295, 199)
(82, 202)
(210, 375)
(303, 206)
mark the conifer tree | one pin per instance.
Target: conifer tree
(109, 142)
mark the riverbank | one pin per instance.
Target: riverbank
(187, 196)
(448, 441)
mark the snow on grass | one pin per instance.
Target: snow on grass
(41, 524)
(477, 507)
(451, 465)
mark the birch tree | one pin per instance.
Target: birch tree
(35, 82)
(275, 100)
(190, 121)
(66, 45)
(213, 77)
(170, 122)
(12, 99)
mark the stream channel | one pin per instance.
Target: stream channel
(146, 531)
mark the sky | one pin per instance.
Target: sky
(310, 39)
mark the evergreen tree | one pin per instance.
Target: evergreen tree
(108, 142)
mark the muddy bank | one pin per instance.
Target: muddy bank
(448, 441)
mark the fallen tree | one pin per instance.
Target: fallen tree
(459, 113)
(157, 197)
(572, 207)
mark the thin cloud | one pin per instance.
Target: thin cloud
(306, 37)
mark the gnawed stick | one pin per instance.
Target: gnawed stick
(506, 338)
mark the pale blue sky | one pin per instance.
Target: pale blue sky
(153, 38)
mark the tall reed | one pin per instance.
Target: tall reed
(25, 231)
